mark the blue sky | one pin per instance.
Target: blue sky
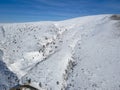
(42, 10)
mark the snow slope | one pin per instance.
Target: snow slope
(76, 54)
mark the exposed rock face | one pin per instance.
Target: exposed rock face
(7, 78)
(115, 17)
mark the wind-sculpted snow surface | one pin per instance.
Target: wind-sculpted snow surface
(77, 54)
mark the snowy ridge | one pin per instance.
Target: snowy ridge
(77, 54)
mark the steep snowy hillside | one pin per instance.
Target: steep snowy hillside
(77, 54)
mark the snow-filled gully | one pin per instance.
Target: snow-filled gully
(76, 54)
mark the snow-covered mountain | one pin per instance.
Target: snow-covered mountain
(76, 54)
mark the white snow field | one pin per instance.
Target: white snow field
(76, 54)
